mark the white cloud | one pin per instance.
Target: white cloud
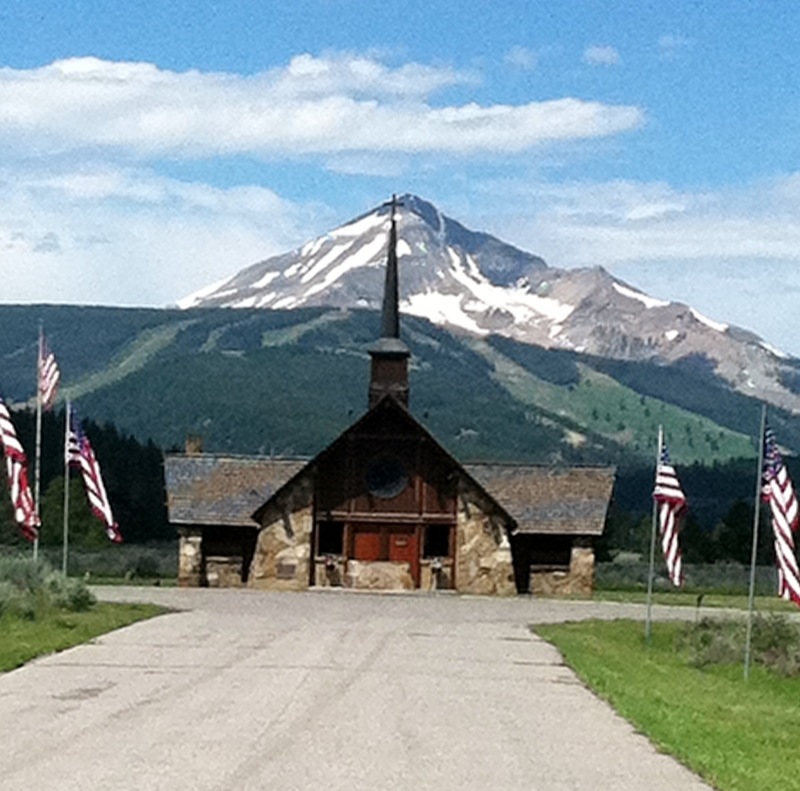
(732, 253)
(522, 58)
(601, 56)
(670, 46)
(625, 221)
(131, 237)
(315, 105)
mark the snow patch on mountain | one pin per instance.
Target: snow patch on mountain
(519, 302)
(266, 279)
(197, 297)
(648, 302)
(715, 325)
(361, 226)
(774, 350)
(443, 309)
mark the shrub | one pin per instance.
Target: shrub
(23, 573)
(69, 593)
(29, 588)
(146, 567)
(775, 643)
(16, 602)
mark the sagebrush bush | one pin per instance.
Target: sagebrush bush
(733, 578)
(23, 573)
(29, 588)
(69, 593)
(775, 643)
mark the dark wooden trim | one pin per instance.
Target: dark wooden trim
(389, 517)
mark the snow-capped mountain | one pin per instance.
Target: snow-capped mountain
(473, 282)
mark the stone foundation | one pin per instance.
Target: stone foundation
(190, 557)
(329, 574)
(436, 579)
(578, 580)
(378, 575)
(223, 572)
(484, 565)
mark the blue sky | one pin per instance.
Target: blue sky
(151, 148)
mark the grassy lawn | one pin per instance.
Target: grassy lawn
(686, 599)
(740, 736)
(22, 640)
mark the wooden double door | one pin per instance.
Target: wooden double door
(393, 543)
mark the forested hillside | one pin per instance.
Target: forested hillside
(258, 381)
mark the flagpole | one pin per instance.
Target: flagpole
(648, 624)
(754, 549)
(38, 449)
(65, 549)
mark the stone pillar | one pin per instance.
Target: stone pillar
(190, 557)
(282, 559)
(483, 553)
(581, 569)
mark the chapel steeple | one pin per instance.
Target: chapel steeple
(389, 367)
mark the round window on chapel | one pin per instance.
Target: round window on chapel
(386, 477)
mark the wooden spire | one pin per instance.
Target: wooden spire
(389, 369)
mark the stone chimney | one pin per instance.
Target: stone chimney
(193, 445)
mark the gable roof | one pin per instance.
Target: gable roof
(209, 489)
(549, 500)
(387, 404)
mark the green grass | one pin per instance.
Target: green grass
(731, 601)
(21, 640)
(740, 736)
(618, 412)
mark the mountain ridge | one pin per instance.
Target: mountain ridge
(474, 283)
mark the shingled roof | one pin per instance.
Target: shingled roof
(570, 500)
(208, 489)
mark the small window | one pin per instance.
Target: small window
(330, 538)
(386, 477)
(437, 541)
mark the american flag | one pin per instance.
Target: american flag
(49, 375)
(777, 490)
(16, 466)
(670, 508)
(79, 454)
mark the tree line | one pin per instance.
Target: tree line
(718, 526)
(132, 472)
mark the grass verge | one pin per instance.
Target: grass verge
(21, 639)
(739, 736)
(678, 598)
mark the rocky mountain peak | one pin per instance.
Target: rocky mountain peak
(472, 282)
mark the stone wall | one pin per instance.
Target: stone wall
(578, 580)
(329, 574)
(431, 579)
(283, 550)
(378, 575)
(223, 571)
(190, 557)
(483, 552)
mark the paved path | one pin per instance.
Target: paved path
(249, 691)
